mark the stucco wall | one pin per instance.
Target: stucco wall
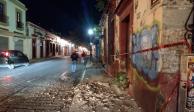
(158, 37)
(12, 33)
(11, 13)
(28, 50)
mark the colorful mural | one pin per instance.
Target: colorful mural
(146, 62)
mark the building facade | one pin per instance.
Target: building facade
(146, 40)
(31, 39)
(38, 43)
(13, 26)
(45, 44)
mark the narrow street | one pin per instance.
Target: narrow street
(40, 74)
(36, 72)
(49, 86)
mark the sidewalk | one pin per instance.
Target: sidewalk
(38, 60)
(98, 93)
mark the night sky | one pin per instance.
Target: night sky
(68, 17)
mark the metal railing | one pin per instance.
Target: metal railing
(20, 25)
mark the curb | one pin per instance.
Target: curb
(44, 59)
(38, 60)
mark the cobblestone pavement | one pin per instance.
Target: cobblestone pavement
(64, 97)
(52, 98)
(93, 94)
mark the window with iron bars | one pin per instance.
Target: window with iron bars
(19, 23)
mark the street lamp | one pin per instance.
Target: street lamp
(90, 32)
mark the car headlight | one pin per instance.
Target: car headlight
(6, 60)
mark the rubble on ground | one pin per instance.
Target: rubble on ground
(99, 97)
(87, 96)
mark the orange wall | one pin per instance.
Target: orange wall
(155, 64)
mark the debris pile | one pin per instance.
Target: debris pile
(99, 97)
(88, 96)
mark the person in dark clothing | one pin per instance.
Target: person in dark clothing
(74, 58)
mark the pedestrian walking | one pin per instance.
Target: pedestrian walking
(74, 58)
(83, 55)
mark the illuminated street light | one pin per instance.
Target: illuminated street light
(90, 32)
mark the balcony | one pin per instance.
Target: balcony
(3, 20)
(19, 25)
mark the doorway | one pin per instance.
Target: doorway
(124, 43)
(41, 49)
(33, 48)
(47, 48)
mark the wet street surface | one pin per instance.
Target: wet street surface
(49, 86)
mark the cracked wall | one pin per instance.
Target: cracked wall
(158, 38)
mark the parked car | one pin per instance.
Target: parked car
(13, 58)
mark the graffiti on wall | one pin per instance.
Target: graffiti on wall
(146, 62)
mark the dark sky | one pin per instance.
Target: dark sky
(63, 16)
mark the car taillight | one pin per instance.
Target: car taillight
(7, 54)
